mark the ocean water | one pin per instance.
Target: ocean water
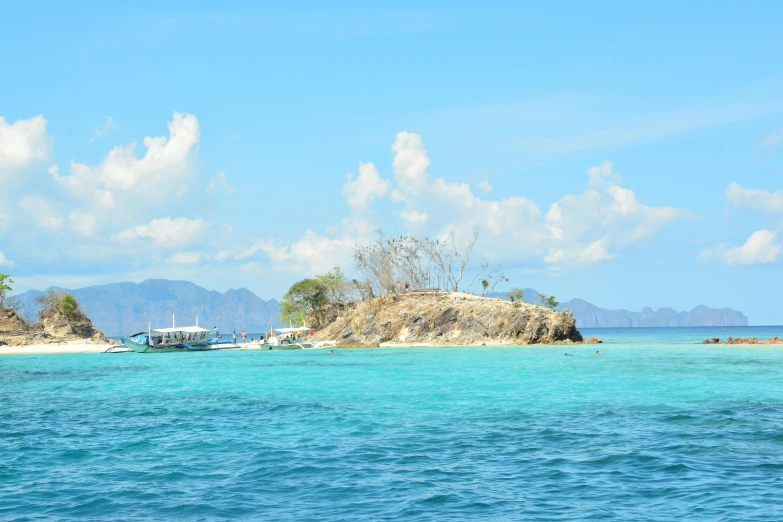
(654, 428)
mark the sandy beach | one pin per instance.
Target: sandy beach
(40, 349)
(82, 347)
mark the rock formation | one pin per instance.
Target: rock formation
(744, 340)
(51, 328)
(450, 318)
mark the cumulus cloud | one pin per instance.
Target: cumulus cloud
(413, 218)
(104, 129)
(367, 187)
(83, 222)
(578, 229)
(166, 232)
(754, 199)
(4, 261)
(23, 142)
(163, 169)
(410, 161)
(763, 246)
(485, 187)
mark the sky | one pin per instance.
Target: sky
(627, 153)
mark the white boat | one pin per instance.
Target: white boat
(174, 339)
(290, 339)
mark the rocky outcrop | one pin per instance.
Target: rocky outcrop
(450, 319)
(51, 328)
(744, 340)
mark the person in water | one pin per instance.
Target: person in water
(568, 355)
(597, 353)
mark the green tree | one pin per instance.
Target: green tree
(484, 285)
(306, 299)
(516, 294)
(335, 285)
(70, 307)
(551, 302)
(5, 282)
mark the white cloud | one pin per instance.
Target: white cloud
(4, 261)
(185, 258)
(220, 183)
(163, 169)
(485, 187)
(311, 253)
(755, 199)
(413, 218)
(24, 142)
(582, 227)
(104, 129)
(578, 229)
(410, 161)
(772, 140)
(367, 186)
(83, 222)
(42, 212)
(166, 232)
(600, 175)
(763, 246)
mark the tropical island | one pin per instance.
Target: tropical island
(60, 320)
(417, 292)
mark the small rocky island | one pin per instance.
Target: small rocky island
(59, 321)
(442, 318)
(743, 340)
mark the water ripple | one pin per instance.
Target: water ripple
(462, 434)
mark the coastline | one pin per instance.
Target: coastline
(80, 347)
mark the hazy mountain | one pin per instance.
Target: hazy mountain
(588, 315)
(124, 308)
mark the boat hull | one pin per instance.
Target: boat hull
(166, 348)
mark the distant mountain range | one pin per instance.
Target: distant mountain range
(590, 316)
(119, 309)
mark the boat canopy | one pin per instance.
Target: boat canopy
(295, 329)
(183, 329)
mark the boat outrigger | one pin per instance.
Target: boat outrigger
(174, 339)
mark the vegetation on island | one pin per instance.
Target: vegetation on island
(516, 294)
(550, 301)
(394, 265)
(5, 287)
(56, 302)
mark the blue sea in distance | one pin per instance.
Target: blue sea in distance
(657, 427)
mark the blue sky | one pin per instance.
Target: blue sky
(625, 153)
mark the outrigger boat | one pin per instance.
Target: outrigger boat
(286, 339)
(174, 339)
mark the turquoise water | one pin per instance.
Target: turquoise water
(652, 429)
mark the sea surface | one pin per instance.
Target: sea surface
(656, 427)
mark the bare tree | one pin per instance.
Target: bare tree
(422, 263)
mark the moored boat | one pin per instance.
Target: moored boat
(289, 339)
(174, 339)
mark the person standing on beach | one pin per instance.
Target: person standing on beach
(217, 334)
(244, 337)
(234, 337)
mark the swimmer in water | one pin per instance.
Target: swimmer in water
(568, 355)
(597, 353)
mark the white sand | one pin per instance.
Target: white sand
(38, 349)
